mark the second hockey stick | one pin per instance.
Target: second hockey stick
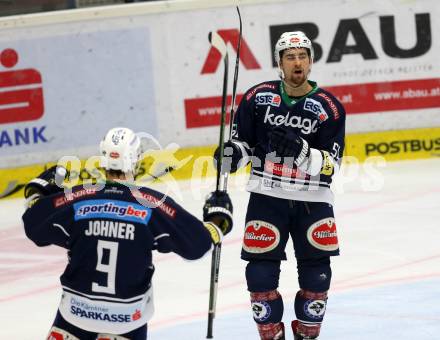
(218, 43)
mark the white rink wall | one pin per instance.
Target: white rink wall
(66, 77)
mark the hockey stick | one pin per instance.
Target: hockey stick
(155, 176)
(12, 188)
(218, 43)
(222, 177)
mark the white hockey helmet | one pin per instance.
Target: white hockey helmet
(295, 39)
(122, 150)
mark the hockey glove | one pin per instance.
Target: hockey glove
(287, 143)
(47, 183)
(232, 156)
(218, 209)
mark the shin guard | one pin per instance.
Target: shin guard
(267, 309)
(310, 310)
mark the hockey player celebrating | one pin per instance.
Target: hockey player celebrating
(110, 235)
(293, 133)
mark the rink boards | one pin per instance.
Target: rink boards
(196, 163)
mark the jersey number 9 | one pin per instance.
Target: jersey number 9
(108, 268)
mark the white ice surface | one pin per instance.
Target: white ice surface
(386, 283)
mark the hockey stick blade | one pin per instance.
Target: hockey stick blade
(218, 43)
(161, 173)
(12, 188)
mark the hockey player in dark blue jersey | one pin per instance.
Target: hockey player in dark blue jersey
(292, 131)
(109, 235)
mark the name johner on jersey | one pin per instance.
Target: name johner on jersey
(111, 229)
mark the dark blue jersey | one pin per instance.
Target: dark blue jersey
(110, 235)
(318, 117)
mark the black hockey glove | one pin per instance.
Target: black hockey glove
(231, 156)
(47, 183)
(218, 209)
(287, 143)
